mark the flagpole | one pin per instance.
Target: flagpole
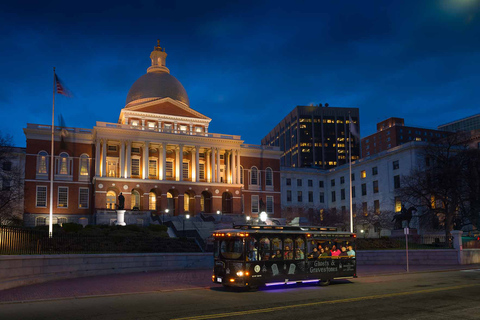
(52, 159)
(350, 175)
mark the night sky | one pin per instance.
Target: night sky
(245, 64)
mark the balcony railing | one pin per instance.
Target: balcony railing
(57, 128)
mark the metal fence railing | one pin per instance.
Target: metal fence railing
(16, 240)
(471, 242)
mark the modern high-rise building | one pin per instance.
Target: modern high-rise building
(392, 132)
(465, 124)
(315, 136)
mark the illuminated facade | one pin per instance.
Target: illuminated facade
(315, 136)
(159, 155)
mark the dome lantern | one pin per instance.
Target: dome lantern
(158, 57)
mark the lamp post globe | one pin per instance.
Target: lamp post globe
(263, 216)
(218, 212)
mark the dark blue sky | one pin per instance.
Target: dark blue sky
(244, 64)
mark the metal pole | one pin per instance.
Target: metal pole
(406, 245)
(52, 159)
(350, 176)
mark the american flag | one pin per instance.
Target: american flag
(61, 89)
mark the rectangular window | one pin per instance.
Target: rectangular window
(268, 177)
(322, 197)
(169, 170)
(396, 182)
(363, 174)
(342, 194)
(299, 182)
(201, 167)
(83, 198)
(135, 150)
(41, 197)
(269, 205)
(374, 171)
(152, 168)
(320, 184)
(135, 167)
(112, 148)
(398, 204)
(364, 189)
(151, 125)
(375, 186)
(342, 180)
(289, 195)
(332, 183)
(353, 176)
(310, 196)
(334, 198)
(254, 204)
(185, 171)
(289, 182)
(299, 196)
(62, 197)
(376, 206)
(310, 183)
(353, 191)
(396, 165)
(364, 208)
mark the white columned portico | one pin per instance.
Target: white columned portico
(122, 159)
(212, 165)
(234, 169)
(194, 166)
(104, 157)
(197, 163)
(218, 165)
(97, 159)
(145, 159)
(129, 158)
(207, 166)
(238, 166)
(180, 162)
(164, 160)
(226, 160)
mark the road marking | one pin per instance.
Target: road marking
(273, 309)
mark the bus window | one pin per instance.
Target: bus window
(276, 249)
(300, 249)
(252, 249)
(288, 255)
(231, 248)
(264, 249)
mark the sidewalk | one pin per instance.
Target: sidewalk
(144, 282)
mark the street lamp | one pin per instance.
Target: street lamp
(218, 212)
(163, 220)
(263, 216)
(187, 216)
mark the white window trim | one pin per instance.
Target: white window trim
(47, 160)
(172, 160)
(46, 197)
(156, 166)
(204, 170)
(188, 168)
(139, 166)
(58, 197)
(88, 198)
(268, 186)
(258, 184)
(266, 205)
(117, 168)
(86, 157)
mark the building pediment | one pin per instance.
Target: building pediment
(168, 107)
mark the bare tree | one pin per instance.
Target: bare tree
(11, 184)
(442, 184)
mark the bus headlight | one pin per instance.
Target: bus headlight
(239, 273)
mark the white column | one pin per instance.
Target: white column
(174, 127)
(191, 128)
(208, 171)
(212, 166)
(180, 162)
(104, 157)
(234, 169)
(143, 124)
(164, 161)
(129, 158)
(193, 173)
(226, 160)
(159, 126)
(197, 163)
(218, 166)
(238, 166)
(97, 159)
(145, 159)
(122, 159)
(206, 129)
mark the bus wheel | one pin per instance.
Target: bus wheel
(323, 283)
(252, 288)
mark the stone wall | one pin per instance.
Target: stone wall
(415, 257)
(470, 256)
(23, 270)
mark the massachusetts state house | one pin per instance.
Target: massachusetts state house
(160, 155)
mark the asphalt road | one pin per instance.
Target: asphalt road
(419, 296)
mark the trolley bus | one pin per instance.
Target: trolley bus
(251, 256)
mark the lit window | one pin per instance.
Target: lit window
(62, 197)
(135, 200)
(198, 129)
(152, 201)
(152, 168)
(111, 199)
(201, 174)
(63, 164)
(183, 128)
(41, 197)
(84, 162)
(185, 170)
(254, 176)
(135, 167)
(42, 162)
(151, 125)
(135, 123)
(83, 198)
(363, 174)
(169, 170)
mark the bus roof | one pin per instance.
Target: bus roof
(284, 229)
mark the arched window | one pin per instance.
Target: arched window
(63, 164)
(135, 200)
(254, 176)
(42, 162)
(241, 175)
(152, 201)
(269, 177)
(84, 166)
(111, 199)
(186, 202)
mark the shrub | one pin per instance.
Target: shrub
(72, 227)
